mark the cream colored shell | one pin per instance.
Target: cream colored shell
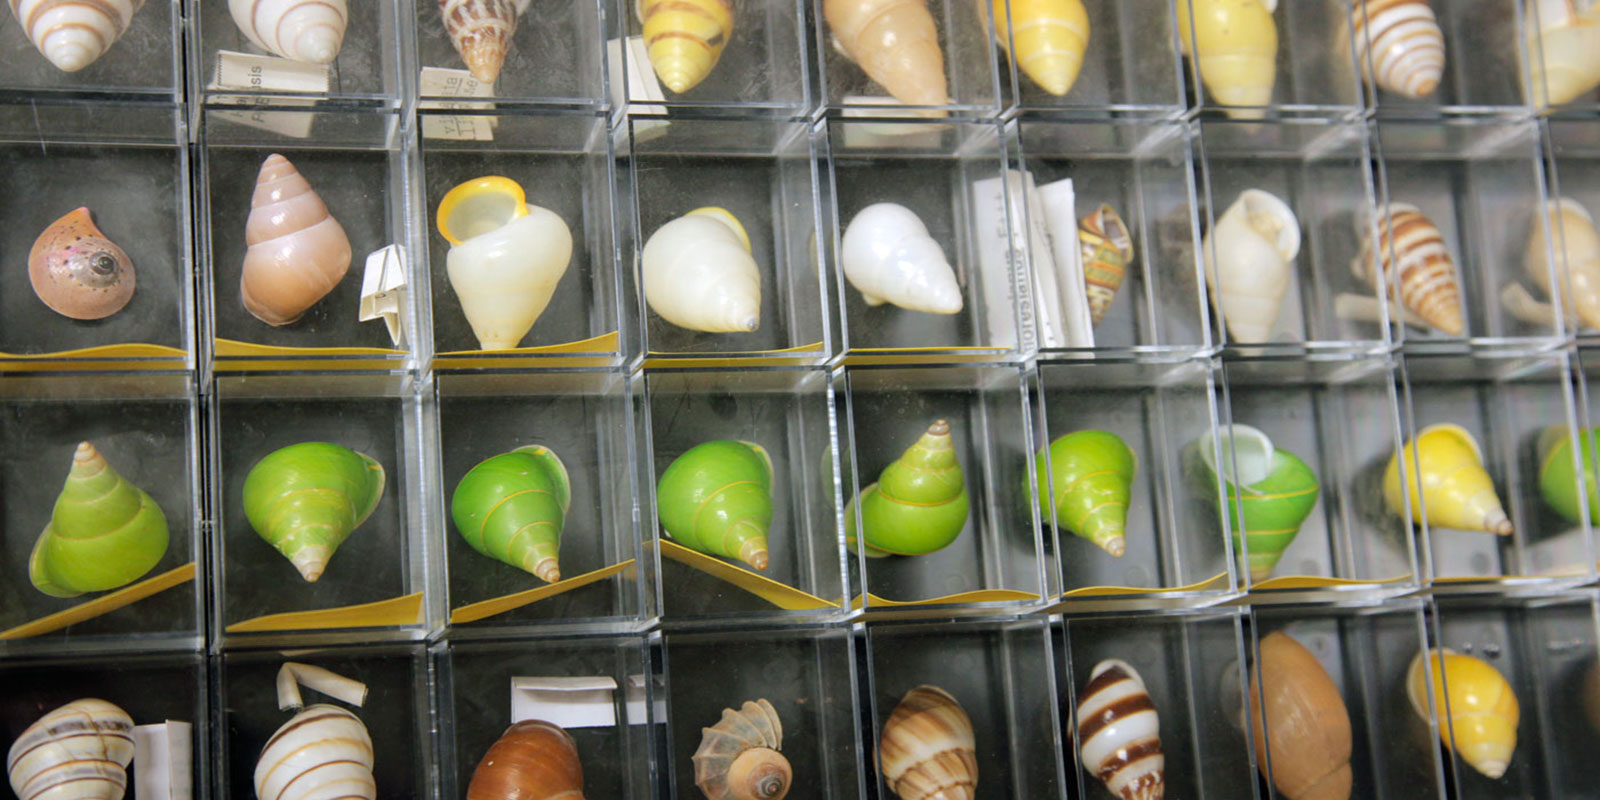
(79, 751)
(506, 277)
(889, 257)
(1575, 243)
(698, 273)
(1247, 256)
(1563, 41)
(301, 30)
(321, 752)
(73, 34)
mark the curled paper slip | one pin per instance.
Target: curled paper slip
(383, 291)
(571, 702)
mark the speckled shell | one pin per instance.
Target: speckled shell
(1427, 285)
(298, 252)
(895, 43)
(532, 760)
(482, 30)
(1399, 43)
(77, 271)
(739, 758)
(685, 38)
(1119, 732)
(321, 752)
(73, 34)
(1300, 720)
(300, 30)
(1478, 713)
(1050, 39)
(79, 751)
(928, 750)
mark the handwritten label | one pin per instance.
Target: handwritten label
(248, 72)
(383, 291)
(438, 82)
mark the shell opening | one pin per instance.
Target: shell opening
(480, 206)
(727, 218)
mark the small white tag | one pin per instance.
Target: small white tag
(1055, 208)
(267, 74)
(639, 80)
(584, 702)
(638, 713)
(383, 290)
(1000, 260)
(163, 761)
(453, 83)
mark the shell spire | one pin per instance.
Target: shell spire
(684, 38)
(532, 760)
(1046, 38)
(716, 498)
(80, 750)
(1399, 45)
(482, 30)
(928, 750)
(740, 757)
(919, 504)
(1084, 483)
(1411, 263)
(1478, 712)
(311, 31)
(298, 252)
(896, 44)
(1119, 732)
(78, 271)
(104, 532)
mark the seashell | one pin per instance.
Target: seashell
(739, 758)
(1558, 480)
(1455, 488)
(322, 752)
(1563, 43)
(1399, 43)
(1050, 37)
(298, 252)
(77, 271)
(300, 30)
(889, 257)
(306, 498)
(1085, 486)
(717, 499)
(928, 750)
(1119, 732)
(512, 507)
(1237, 53)
(1271, 490)
(1481, 723)
(685, 38)
(698, 273)
(1300, 721)
(532, 760)
(1409, 242)
(895, 43)
(80, 750)
(1248, 253)
(104, 532)
(1578, 258)
(72, 35)
(919, 504)
(506, 257)
(1107, 251)
(482, 30)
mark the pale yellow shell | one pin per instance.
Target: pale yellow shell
(300, 30)
(1563, 50)
(73, 34)
(298, 251)
(79, 751)
(896, 44)
(928, 750)
(1248, 256)
(1575, 243)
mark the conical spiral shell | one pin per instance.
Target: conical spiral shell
(73, 34)
(739, 758)
(1399, 43)
(1478, 713)
(895, 43)
(699, 274)
(716, 498)
(1408, 243)
(1237, 51)
(482, 30)
(889, 257)
(104, 532)
(1047, 38)
(685, 38)
(928, 751)
(513, 506)
(320, 753)
(1300, 721)
(298, 252)
(1574, 241)
(532, 760)
(1271, 489)
(1084, 485)
(1119, 732)
(300, 30)
(919, 503)
(1446, 481)
(1107, 251)
(305, 499)
(80, 750)
(77, 271)
(1563, 50)
(1248, 253)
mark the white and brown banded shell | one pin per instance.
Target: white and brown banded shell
(482, 30)
(321, 752)
(311, 31)
(72, 34)
(79, 751)
(928, 750)
(739, 758)
(1119, 732)
(1410, 244)
(1399, 44)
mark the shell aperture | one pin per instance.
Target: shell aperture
(77, 271)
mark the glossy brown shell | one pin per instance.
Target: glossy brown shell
(532, 760)
(77, 271)
(1307, 729)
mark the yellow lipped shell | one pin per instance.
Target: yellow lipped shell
(685, 38)
(79, 751)
(1477, 710)
(1047, 38)
(928, 750)
(739, 758)
(1445, 475)
(1237, 51)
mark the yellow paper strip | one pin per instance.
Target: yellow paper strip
(605, 349)
(131, 350)
(804, 354)
(869, 356)
(781, 595)
(404, 610)
(1122, 591)
(1319, 582)
(134, 357)
(979, 596)
(228, 348)
(103, 604)
(472, 612)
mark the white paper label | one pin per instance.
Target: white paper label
(163, 761)
(584, 702)
(640, 82)
(1055, 206)
(635, 696)
(246, 71)
(452, 83)
(383, 290)
(272, 117)
(1000, 260)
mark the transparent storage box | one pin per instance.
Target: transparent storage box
(1128, 65)
(292, 54)
(725, 59)
(1236, 72)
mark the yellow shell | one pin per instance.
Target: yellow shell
(1237, 52)
(1050, 38)
(1455, 489)
(1477, 710)
(685, 38)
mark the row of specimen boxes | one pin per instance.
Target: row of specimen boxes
(788, 57)
(1348, 696)
(1321, 498)
(1015, 226)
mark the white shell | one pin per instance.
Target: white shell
(79, 751)
(1247, 257)
(1119, 732)
(698, 273)
(1563, 50)
(889, 257)
(505, 278)
(1576, 245)
(1400, 43)
(303, 30)
(321, 752)
(73, 34)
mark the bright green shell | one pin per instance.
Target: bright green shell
(717, 499)
(1558, 483)
(513, 506)
(1088, 477)
(306, 499)
(919, 504)
(104, 532)
(1273, 509)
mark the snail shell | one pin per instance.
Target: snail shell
(104, 532)
(298, 252)
(1107, 250)
(1481, 723)
(928, 750)
(482, 30)
(1411, 243)
(1272, 489)
(300, 30)
(1119, 732)
(77, 271)
(1558, 481)
(1575, 242)
(306, 498)
(716, 498)
(80, 750)
(1563, 51)
(919, 504)
(1307, 728)
(1247, 255)
(698, 273)
(73, 34)
(321, 752)
(532, 760)
(513, 506)
(896, 44)
(889, 257)
(1085, 486)
(685, 38)
(1237, 51)
(1398, 43)
(1051, 36)
(739, 758)
(1450, 478)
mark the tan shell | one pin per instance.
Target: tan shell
(77, 271)
(1299, 718)
(298, 251)
(739, 757)
(928, 750)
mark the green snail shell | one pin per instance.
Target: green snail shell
(919, 504)
(717, 499)
(1279, 491)
(1086, 484)
(104, 532)
(512, 507)
(306, 498)
(1558, 483)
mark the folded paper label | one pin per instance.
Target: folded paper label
(571, 702)
(637, 706)
(1002, 250)
(383, 291)
(452, 83)
(246, 71)
(163, 761)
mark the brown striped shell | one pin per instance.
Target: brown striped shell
(738, 758)
(481, 30)
(79, 751)
(1409, 243)
(928, 750)
(1119, 732)
(323, 751)
(1399, 43)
